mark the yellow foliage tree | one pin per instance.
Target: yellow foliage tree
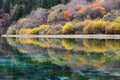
(117, 20)
(44, 27)
(22, 20)
(67, 44)
(22, 31)
(67, 28)
(51, 17)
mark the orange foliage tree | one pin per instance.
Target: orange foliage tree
(67, 14)
(97, 5)
(78, 7)
(102, 10)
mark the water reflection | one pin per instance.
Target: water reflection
(59, 59)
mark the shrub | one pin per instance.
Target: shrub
(51, 17)
(56, 29)
(79, 29)
(56, 13)
(67, 14)
(99, 26)
(79, 15)
(110, 17)
(87, 27)
(111, 5)
(117, 20)
(93, 12)
(35, 30)
(48, 32)
(78, 7)
(68, 44)
(12, 30)
(96, 4)
(44, 27)
(67, 28)
(102, 10)
(22, 31)
(28, 31)
(60, 17)
(113, 28)
(94, 27)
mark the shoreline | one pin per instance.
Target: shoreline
(87, 36)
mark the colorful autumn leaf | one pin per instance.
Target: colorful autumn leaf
(95, 5)
(67, 14)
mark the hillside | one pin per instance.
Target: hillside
(66, 17)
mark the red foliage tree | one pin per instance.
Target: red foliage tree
(67, 14)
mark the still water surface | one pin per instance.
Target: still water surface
(59, 59)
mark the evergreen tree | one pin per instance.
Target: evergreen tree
(20, 12)
(28, 6)
(1, 3)
(25, 6)
(14, 2)
(48, 3)
(90, 1)
(66, 1)
(7, 6)
(44, 4)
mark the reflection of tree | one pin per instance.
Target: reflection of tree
(5, 49)
(68, 44)
(26, 68)
(71, 44)
(53, 60)
(96, 50)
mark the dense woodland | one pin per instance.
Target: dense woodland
(61, 16)
(12, 10)
(20, 8)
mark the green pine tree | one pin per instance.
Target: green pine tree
(48, 3)
(1, 3)
(20, 12)
(7, 6)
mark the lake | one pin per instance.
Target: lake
(59, 59)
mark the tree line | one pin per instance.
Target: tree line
(24, 7)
